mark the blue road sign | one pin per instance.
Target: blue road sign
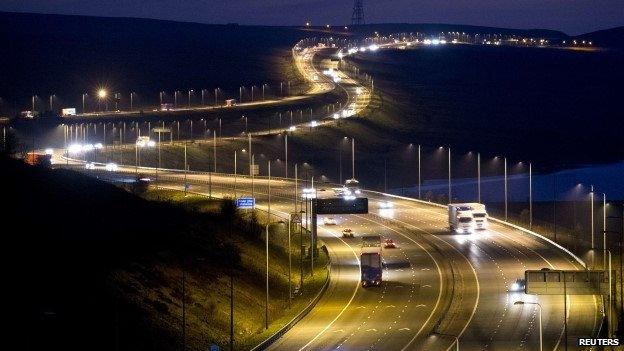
(246, 203)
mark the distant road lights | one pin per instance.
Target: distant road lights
(308, 193)
(112, 167)
(292, 128)
(358, 90)
(145, 141)
(373, 47)
(313, 124)
(49, 151)
(336, 115)
(74, 148)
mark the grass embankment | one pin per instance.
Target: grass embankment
(92, 266)
(210, 296)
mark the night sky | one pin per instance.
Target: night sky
(570, 16)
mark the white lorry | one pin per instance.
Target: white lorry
(460, 218)
(479, 215)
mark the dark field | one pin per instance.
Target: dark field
(555, 107)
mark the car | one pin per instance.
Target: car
(111, 167)
(347, 233)
(385, 204)
(329, 221)
(518, 285)
(389, 244)
(90, 165)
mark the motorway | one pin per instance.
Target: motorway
(437, 285)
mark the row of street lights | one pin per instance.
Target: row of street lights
(102, 95)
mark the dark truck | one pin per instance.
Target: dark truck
(370, 261)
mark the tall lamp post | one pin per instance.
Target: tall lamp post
(84, 95)
(506, 189)
(478, 177)
(530, 196)
(519, 303)
(419, 174)
(450, 194)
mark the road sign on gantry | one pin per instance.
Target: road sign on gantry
(573, 282)
(340, 206)
(246, 203)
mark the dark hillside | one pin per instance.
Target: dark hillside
(67, 233)
(612, 38)
(71, 55)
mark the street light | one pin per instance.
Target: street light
(517, 303)
(102, 94)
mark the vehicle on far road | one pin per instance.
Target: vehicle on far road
(37, 159)
(90, 165)
(166, 107)
(389, 244)
(329, 221)
(370, 261)
(112, 167)
(518, 285)
(230, 102)
(352, 187)
(347, 233)
(460, 218)
(145, 141)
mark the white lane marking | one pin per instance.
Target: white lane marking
(474, 310)
(439, 277)
(348, 303)
(569, 304)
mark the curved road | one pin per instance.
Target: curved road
(438, 285)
